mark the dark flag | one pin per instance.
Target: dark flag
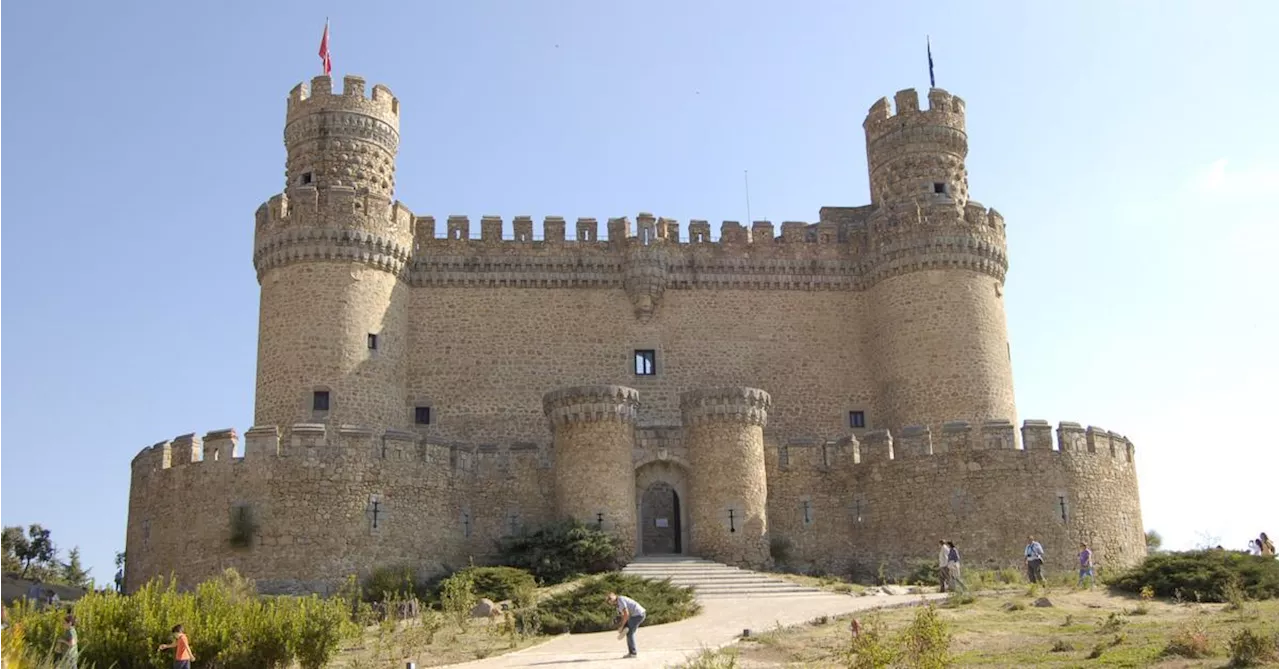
(929, 49)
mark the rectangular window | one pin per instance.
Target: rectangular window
(857, 419)
(646, 363)
(939, 188)
(422, 415)
(320, 400)
(373, 341)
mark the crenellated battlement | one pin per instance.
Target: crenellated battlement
(319, 96)
(955, 437)
(589, 404)
(732, 404)
(944, 111)
(345, 445)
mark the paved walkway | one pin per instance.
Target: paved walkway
(719, 624)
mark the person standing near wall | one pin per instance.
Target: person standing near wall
(1086, 566)
(943, 574)
(953, 568)
(1035, 560)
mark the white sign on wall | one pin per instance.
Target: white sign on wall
(660, 522)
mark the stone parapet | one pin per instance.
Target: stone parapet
(734, 404)
(591, 404)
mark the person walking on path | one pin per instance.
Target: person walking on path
(953, 568)
(182, 655)
(943, 574)
(1086, 566)
(69, 645)
(1035, 560)
(632, 615)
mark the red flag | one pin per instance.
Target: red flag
(324, 49)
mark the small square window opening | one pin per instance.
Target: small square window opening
(422, 415)
(306, 178)
(857, 419)
(320, 400)
(373, 341)
(939, 188)
(646, 363)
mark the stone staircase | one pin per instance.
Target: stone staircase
(712, 580)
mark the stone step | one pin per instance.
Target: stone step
(713, 580)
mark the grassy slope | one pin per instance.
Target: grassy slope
(986, 634)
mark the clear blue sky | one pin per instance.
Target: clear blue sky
(1132, 148)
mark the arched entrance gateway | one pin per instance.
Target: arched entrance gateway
(662, 508)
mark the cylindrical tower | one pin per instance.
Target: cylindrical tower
(331, 254)
(724, 431)
(936, 273)
(594, 432)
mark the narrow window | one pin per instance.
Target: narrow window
(1062, 507)
(646, 363)
(939, 188)
(305, 179)
(857, 419)
(373, 341)
(422, 415)
(320, 400)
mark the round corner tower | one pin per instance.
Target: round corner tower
(593, 428)
(724, 430)
(936, 273)
(331, 254)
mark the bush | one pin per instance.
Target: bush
(559, 552)
(923, 573)
(926, 642)
(392, 582)
(1191, 640)
(1249, 648)
(502, 583)
(229, 625)
(1206, 574)
(585, 609)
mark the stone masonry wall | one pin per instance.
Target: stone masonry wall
(867, 510)
(310, 495)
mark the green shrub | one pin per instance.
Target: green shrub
(872, 649)
(926, 642)
(780, 549)
(229, 626)
(924, 573)
(502, 583)
(585, 608)
(1250, 649)
(1206, 574)
(458, 597)
(559, 552)
(391, 582)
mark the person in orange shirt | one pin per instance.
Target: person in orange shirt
(182, 655)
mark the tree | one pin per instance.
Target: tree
(1154, 541)
(15, 544)
(74, 573)
(39, 549)
(119, 559)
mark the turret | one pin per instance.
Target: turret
(331, 254)
(594, 433)
(936, 268)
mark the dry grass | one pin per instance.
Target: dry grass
(994, 632)
(384, 646)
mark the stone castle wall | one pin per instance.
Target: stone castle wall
(852, 505)
(884, 501)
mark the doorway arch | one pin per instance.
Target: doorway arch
(662, 509)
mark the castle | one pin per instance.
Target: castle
(833, 395)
